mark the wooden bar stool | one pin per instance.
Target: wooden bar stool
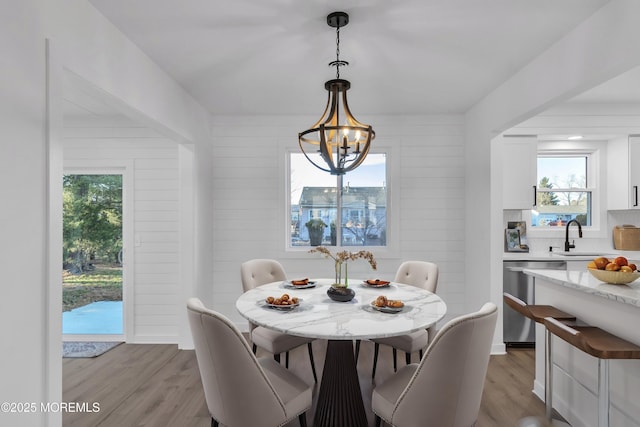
(597, 343)
(538, 313)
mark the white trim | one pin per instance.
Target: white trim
(186, 213)
(596, 173)
(391, 249)
(52, 381)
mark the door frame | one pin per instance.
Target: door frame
(124, 168)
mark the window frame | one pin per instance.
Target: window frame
(595, 151)
(392, 228)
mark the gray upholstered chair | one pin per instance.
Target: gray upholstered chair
(445, 388)
(257, 272)
(423, 275)
(240, 389)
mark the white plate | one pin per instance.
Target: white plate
(387, 309)
(287, 307)
(382, 285)
(290, 285)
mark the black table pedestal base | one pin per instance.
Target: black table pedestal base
(340, 398)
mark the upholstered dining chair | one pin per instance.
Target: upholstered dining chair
(423, 275)
(257, 272)
(445, 388)
(241, 390)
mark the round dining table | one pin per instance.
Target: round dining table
(340, 400)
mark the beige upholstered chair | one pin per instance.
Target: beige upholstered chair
(240, 389)
(423, 275)
(257, 272)
(445, 388)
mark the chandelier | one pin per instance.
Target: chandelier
(342, 141)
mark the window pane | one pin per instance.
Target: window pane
(313, 202)
(315, 199)
(562, 172)
(364, 204)
(556, 208)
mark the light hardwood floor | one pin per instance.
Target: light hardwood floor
(159, 385)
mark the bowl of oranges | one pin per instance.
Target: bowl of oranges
(617, 271)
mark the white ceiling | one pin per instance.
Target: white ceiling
(409, 56)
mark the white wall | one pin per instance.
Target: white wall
(152, 295)
(427, 160)
(603, 46)
(86, 43)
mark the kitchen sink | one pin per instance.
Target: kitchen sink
(579, 253)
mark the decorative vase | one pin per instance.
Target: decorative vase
(340, 293)
(340, 290)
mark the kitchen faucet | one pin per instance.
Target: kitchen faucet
(568, 245)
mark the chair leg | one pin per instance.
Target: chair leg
(303, 419)
(378, 421)
(395, 360)
(214, 423)
(407, 358)
(286, 360)
(603, 393)
(376, 348)
(357, 350)
(276, 357)
(313, 364)
(254, 348)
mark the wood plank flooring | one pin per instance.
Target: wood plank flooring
(159, 385)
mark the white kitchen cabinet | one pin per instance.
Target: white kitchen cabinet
(519, 171)
(623, 173)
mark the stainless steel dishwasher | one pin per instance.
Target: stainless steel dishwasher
(517, 329)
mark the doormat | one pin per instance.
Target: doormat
(86, 348)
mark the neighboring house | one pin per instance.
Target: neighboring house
(364, 212)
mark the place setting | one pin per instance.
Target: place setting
(385, 305)
(285, 302)
(299, 284)
(376, 283)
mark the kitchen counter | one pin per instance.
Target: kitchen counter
(574, 255)
(614, 308)
(583, 281)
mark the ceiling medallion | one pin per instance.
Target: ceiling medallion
(342, 141)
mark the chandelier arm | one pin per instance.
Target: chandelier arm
(365, 150)
(309, 158)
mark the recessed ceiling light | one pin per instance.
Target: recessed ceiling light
(575, 137)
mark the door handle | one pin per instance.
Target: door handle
(635, 195)
(535, 194)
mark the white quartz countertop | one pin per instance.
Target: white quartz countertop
(583, 281)
(562, 256)
(318, 316)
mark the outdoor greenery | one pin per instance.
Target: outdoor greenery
(92, 239)
(102, 284)
(92, 218)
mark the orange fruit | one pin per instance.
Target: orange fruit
(592, 264)
(612, 266)
(626, 269)
(621, 261)
(633, 267)
(601, 262)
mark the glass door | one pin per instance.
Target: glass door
(92, 264)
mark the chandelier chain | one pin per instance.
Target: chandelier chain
(338, 52)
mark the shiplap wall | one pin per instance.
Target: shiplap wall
(156, 294)
(249, 201)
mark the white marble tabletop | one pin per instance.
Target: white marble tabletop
(318, 316)
(583, 281)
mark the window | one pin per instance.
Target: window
(348, 210)
(563, 190)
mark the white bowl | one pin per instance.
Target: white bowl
(614, 277)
